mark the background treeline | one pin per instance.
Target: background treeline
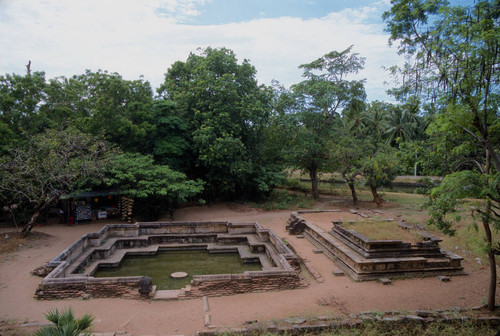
(209, 132)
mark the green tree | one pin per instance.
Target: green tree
(20, 100)
(455, 52)
(379, 170)
(153, 187)
(348, 152)
(137, 176)
(319, 100)
(225, 113)
(64, 323)
(445, 199)
(119, 109)
(53, 164)
(418, 157)
(400, 124)
(170, 141)
(67, 102)
(374, 118)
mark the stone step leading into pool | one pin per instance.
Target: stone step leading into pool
(168, 295)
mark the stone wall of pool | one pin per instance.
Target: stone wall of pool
(73, 269)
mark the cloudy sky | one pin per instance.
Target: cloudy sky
(144, 37)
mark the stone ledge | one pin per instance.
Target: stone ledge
(365, 259)
(301, 325)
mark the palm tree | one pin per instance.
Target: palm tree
(401, 123)
(375, 118)
(65, 324)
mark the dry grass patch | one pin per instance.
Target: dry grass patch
(383, 230)
(12, 241)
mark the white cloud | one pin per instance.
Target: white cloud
(179, 9)
(134, 37)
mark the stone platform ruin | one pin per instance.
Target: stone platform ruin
(73, 268)
(366, 259)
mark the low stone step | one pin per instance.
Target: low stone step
(168, 295)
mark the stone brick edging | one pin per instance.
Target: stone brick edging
(391, 319)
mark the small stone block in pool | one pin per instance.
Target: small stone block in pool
(179, 275)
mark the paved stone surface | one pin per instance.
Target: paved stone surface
(206, 307)
(207, 320)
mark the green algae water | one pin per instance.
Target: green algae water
(160, 266)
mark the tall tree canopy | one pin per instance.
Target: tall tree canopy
(317, 101)
(20, 100)
(120, 109)
(455, 54)
(224, 113)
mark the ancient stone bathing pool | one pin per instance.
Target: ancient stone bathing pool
(263, 261)
(164, 264)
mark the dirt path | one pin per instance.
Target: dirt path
(336, 295)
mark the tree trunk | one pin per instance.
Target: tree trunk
(376, 197)
(38, 210)
(313, 174)
(493, 154)
(491, 259)
(28, 227)
(353, 192)
(489, 240)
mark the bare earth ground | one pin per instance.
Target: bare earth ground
(335, 296)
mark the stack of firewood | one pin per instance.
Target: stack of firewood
(125, 207)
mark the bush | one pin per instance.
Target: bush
(64, 323)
